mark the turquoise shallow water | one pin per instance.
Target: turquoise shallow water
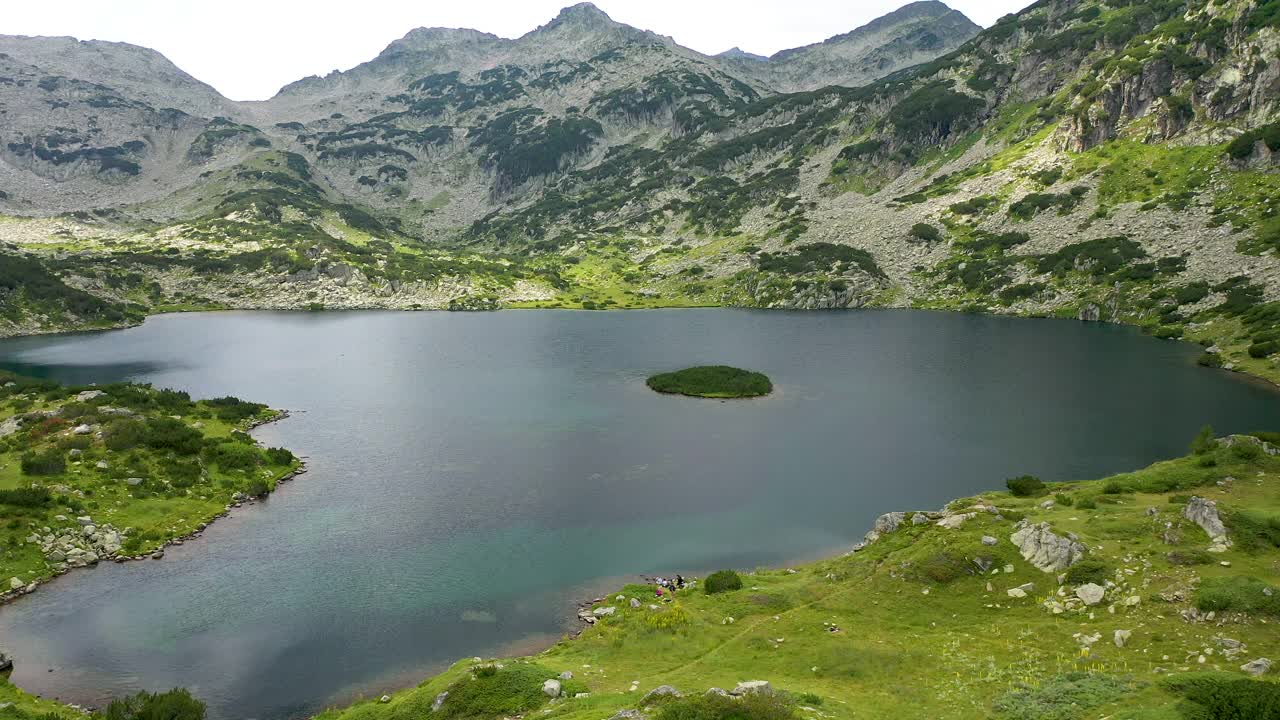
(472, 474)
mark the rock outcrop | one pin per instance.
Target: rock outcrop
(1204, 513)
(1047, 551)
(1257, 668)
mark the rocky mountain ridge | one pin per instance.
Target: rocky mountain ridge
(1104, 160)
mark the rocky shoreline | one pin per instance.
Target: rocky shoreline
(104, 542)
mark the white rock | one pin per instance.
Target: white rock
(551, 688)
(1122, 637)
(660, 691)
(1258, 667)
(951, 522)
(1204, 513)
(753, 687)
(1090, 594)
(1047, 551)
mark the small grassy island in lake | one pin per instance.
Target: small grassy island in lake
(712, 381)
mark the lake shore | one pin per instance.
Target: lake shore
(112, 549)
(1261, 369)
(632, 383)
(796, 622)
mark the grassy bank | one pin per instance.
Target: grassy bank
(91, 474)
(942, 614)
(913, 626)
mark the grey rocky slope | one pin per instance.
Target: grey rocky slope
(910, 35)
(93, 125)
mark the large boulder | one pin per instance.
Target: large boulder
(659, 692)
(1090, 593)
(1204, 513)
(752, 687)
(6, 662)
(551, 688)
(109, 542)
(10, 426)
(1257, 668)
(1047, 551)
(889, 522)
(951, 522)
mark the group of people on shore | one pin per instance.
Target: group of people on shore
(667, 587)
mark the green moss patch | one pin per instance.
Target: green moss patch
(712, 381)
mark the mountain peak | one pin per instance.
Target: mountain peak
(737, 52)
(581, 16)
(583, 11)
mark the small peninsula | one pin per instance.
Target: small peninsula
(712, 381)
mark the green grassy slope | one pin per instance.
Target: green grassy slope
(911, 627)
(140, 466)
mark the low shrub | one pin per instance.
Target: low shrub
(722, 581)
(514, 689)
(234, 410)
(1064, 500)
(177, 704)
(1190, 557)
(1116, 487)
(1267, 437)
(1254, 531)
(719, 707)
(1212, 696)
(167, 434)
(1237, 593)
(1246, 451)
(26, 497)
(123, 434)
(924, 232)
(1087, 503)
(233, 456)
(1065, 697)
(46, 462)
(1025, 486)
(942, 568)
(279, 456)
(1089, 570)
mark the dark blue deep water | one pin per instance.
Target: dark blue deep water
(472, 474)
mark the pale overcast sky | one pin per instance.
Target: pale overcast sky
(248, 49)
